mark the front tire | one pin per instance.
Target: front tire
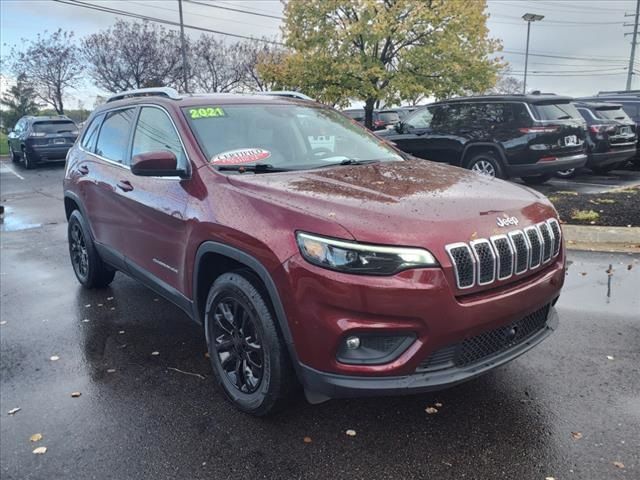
(486, 164)
(248, 356)
(89, 268)
(15, 158)
(570, 173)
(536, 179)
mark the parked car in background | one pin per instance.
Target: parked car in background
(381, 118)
(528, 136)
(403, 112)
(611, 137)
(351, 269)
(41, 139)
(630, 101)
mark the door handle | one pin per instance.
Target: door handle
(83, 170)
(125, 185)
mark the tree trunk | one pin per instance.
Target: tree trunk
(368, 112)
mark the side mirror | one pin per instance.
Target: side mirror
(156, 164)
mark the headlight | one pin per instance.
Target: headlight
(360, 258)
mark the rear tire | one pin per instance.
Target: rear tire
(487, 164)
(536, 179)
(15, 158)
(249, 358)
(89, 268)
(27, 161)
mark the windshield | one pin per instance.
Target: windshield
(389, 117)
(55, 127)
(612, 114)
(556, 111)
(291, 137)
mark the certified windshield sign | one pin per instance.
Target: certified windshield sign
(242, 155)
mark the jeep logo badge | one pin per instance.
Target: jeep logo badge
(506, 221)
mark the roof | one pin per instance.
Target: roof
(46, 118)
(610, 98)
(528, 98)
(598, 105)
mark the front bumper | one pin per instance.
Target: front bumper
(608, 158)
(329, 385)
(552, 166)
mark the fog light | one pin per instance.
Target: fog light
(373, 349)
(352, 343)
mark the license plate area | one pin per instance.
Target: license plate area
(59, 141)
(571, 141)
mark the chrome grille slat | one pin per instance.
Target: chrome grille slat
(483, 261)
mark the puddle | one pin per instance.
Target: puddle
(13, 223)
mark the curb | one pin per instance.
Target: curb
(606, 239)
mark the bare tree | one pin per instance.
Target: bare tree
(215, 66)
(51, 64)
(133, 55)
(252, 54)
(506, 85)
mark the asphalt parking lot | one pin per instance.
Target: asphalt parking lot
(569, 409)
(587, 182)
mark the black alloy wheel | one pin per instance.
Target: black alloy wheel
(237, 343)
(78, 251)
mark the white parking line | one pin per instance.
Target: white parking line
(4, 168)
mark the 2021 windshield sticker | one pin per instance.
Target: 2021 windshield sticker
(242, 155)
(206, 112)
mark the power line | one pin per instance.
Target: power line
(557, 22)
(563, 57)
(124, 13)
(235, 10)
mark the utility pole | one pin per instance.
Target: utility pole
(633, 44)
(185, 66)
(529, 17)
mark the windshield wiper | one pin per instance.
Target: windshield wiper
(257, 168)
(564, 117)
(352, 161)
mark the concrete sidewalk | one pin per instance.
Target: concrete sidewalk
(603, 239)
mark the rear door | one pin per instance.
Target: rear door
(568, 138)
(154, 207)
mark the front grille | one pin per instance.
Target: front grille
(484, 261)
(475, 349)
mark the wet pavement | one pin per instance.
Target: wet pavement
(588, 182)
(568, 409)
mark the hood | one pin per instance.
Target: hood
(409, 203)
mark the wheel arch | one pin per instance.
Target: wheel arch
(214, 259)
(477, 147)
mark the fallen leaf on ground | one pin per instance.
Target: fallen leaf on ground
(155, 353)
(576, 435)
(431, 410)
(40, 450)
(438, 404)
(629, 267)
(121, 332)
(583, 273)
(4, 322)
(75, 394)
(100, 304)
(109, 298)
(112, 308)
(86, 320)
(618, 464)
(54, 358)
(549, 478)
(111, 370)
(13, 411)
(609, 357)
(307, 440)
(351, 433)
(35, 437)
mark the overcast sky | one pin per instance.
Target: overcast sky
(588, 34)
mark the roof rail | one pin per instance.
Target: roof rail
(168, 92)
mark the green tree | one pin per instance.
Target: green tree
(385, 50)
(19, 100)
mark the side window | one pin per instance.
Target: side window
(19, 126)
(498, 113)
(91, 133)
(585, 113)
(113, 139)
(155, 132)
(440, 116)
(421, 119)
(521, 115)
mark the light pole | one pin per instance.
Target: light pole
(528, 17)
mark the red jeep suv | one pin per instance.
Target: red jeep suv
(312, 252)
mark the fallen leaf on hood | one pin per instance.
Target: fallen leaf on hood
(576, 435)
(438, 405)
(474, 235)
(75, 394)
(351, 433)
(307, 440)
(13, 411)
(431, 410)
(40, 450)
(618, 464)
(629, 267)
(610, 357)
(109, 299)
(35, 437)
(111, 370)
(4, 322)
(155, 353)
(54, 358)
(331, 214)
